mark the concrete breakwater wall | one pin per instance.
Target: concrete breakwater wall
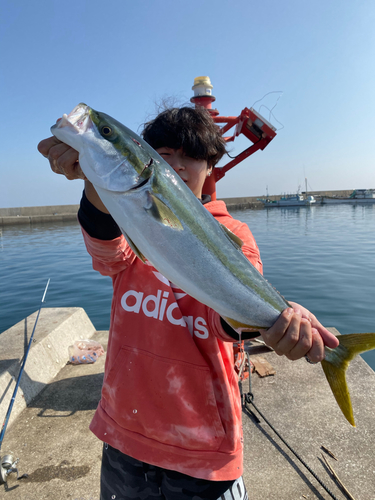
(28, 215)
(34, 215)
(251, 202)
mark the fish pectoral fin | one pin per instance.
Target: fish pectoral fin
(337, 362)
(163, 214)
(337, 381)
(235, 239)
(134, 247)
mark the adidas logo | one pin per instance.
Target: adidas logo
(155, 306)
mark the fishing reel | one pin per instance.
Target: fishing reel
(7, 466)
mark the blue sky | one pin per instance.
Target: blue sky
(123, 57)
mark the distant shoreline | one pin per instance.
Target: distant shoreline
(62, 213)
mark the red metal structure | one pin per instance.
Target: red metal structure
(249, 123)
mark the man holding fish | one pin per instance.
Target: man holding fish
(170, 412)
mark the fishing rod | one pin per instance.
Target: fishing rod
(8, 464)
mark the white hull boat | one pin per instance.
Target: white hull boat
(296, 200)
(362, 196)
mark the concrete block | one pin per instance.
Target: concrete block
(56, 330)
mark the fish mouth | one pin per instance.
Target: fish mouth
(78, 119)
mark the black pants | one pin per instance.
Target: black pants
(124, 478)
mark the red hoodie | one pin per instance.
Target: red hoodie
(170, 394)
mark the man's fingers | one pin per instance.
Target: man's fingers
(305, 342)
(297, 333)
(291, 336)
(45, 145)
(316, 353)
(64, 160)
(296, 341)
(273, 335)
(328, 338)
(61, 149)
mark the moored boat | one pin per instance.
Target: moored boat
(357, 196)
(295, 200)
(290, 200)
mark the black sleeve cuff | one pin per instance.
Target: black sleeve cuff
(232, 333)
(96, 223)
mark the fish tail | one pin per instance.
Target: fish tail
(336, 363)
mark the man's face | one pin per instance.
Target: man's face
(192, 172)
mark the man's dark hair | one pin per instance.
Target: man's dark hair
(191, 129)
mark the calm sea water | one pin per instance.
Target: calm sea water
(322, 257)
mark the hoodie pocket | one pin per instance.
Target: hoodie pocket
(169, 401)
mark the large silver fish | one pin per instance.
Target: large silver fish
(166, 224)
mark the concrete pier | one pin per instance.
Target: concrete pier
(62, 458)
(56, 330)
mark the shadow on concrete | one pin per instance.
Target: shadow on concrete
(25, 383)
(3, 368)
(68, 396)
(5, 364)
(10, 488)
(257, 422)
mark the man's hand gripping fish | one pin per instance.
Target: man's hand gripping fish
(166, 224)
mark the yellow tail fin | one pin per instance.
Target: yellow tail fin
(337, 361)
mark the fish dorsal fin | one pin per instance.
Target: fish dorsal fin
(134, 247)
(235, 239)
(337, 361)
(163, 214)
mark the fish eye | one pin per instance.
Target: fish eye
(106, 131)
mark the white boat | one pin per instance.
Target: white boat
(293, 200)
(290, 200)
(357, 196)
